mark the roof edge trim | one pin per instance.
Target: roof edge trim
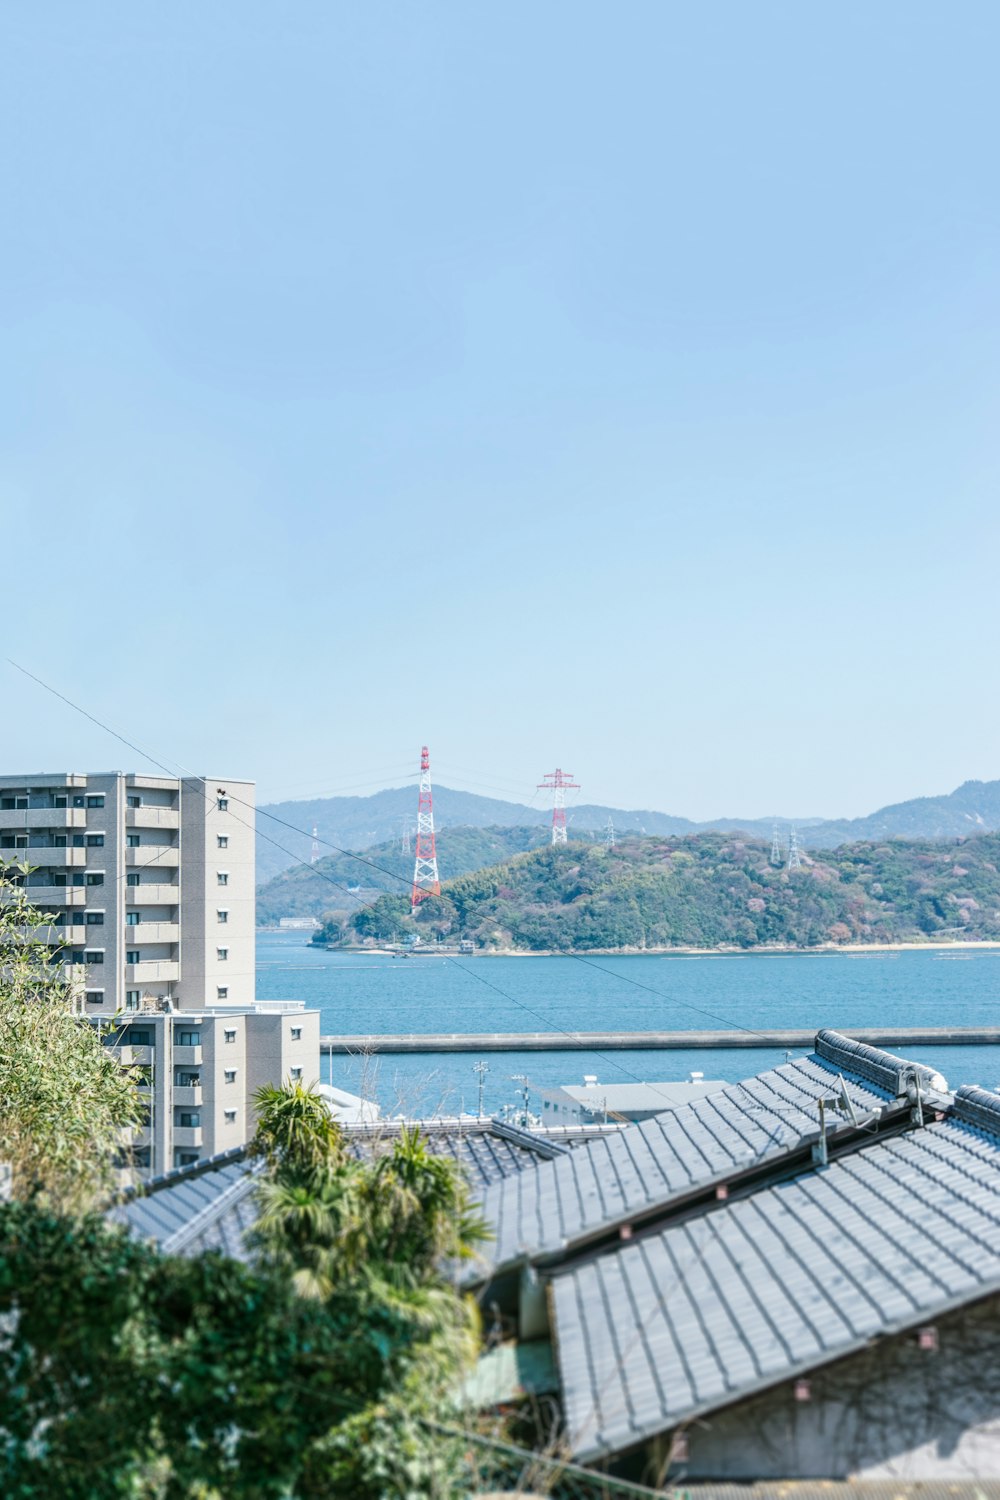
(882, 1068)
(978, 1107)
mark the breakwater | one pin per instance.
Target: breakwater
(652, 1041)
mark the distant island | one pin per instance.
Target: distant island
(707, 890)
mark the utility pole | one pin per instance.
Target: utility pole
(522, 1079)
(776, 848)
(481, 1069)
(794, 857)
(426, 881)
(557, 783)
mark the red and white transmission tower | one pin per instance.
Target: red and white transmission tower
(557, 782)
(426, 881)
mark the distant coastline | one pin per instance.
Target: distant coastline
(727, 951)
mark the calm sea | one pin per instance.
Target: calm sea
(367, 994)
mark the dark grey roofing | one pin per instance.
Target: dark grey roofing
(759, 1289)
(686, 1149)
(211, 1206)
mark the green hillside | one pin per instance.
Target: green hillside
(712, 890)
(339, 883)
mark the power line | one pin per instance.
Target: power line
(393, 874)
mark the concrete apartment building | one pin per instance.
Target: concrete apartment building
(150, 881)
(150, 884)
(202, 1070)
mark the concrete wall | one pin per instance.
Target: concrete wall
(895, 1411)
(273, 1051)
(203, 823)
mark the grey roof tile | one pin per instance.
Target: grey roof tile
(182, 1210)
(691, 1146)
(755, 1290)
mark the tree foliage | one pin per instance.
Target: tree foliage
(715, 890)
(65, 1101)
(309, 1374)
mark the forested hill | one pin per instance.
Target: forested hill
(343, 882)
(711, 891)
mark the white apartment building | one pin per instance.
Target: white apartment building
(149, 880)
(201, 1071)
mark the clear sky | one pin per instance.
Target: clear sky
(611, 386)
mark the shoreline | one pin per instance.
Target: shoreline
(959, 945)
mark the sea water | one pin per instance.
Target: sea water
(367, 994)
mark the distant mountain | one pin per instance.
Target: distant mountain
(361, 822)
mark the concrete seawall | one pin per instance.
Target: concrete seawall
(666, 1041)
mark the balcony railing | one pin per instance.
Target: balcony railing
(42, 817)
(189, 1055)
(152, 970)
(152, 817)
(50, 898)
(139, 933)
(167, 856)
(188, 1135)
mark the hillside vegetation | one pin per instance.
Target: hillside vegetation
(709, 891)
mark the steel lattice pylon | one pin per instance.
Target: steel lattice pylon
(426, 881)
(557, 783)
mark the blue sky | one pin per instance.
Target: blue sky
(605, 386)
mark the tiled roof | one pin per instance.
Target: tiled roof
(211, 1206)
(767, 1286)
(688, 1149)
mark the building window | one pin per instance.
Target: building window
(222, 954)
(132, 919)
(94, 919)
(136, 1037)
(223, 804)
(131, 999)
(95, 840)
(133, 956)
(184, 1158)
(296, 1033)
(229, 1036)
(95, 801)
(132, 878)
(222, 992)
(222, 876)
(223, 916)
(186, 1080)
(188, 1119)
(79, 800)
(93, 878)
(222, 841)
(133, 800)
(95, 997)
(94, 956)
(187, 1038)
(230, 1115)
(295, 1073)
(230, 1075)
(132, 840)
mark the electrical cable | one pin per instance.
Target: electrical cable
(383, 869)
